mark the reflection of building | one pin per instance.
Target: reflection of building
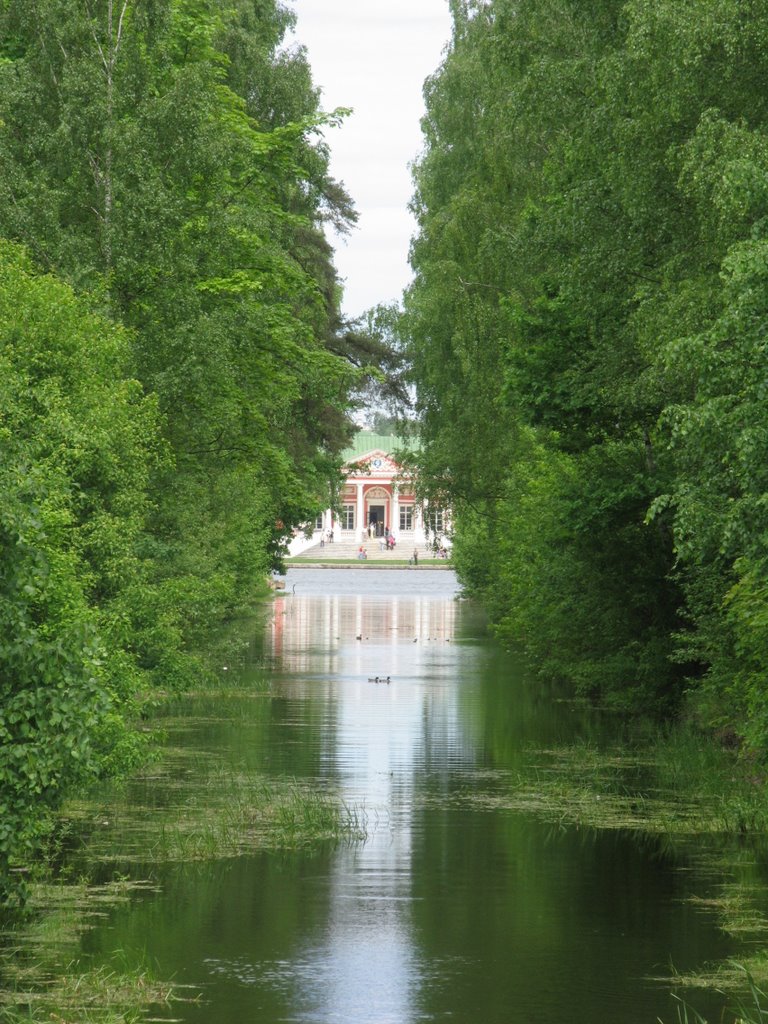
(378, 497)
(375, 747)
(308, 632)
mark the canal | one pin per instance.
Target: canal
(454, 908)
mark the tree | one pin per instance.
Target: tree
(591, 205)
(166, 159)
(79, 444)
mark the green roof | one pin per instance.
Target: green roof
(366, 441)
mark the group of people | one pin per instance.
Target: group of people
(387, 542)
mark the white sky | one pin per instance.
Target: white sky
(373, 56)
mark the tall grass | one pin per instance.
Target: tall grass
(249, 814)
(729, 784)
(211, 809)
(751, 1008)
(42, 977)
(102, 995)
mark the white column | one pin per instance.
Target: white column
(395, 526)
(360, 514)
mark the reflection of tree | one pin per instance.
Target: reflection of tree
(228, 928)
(527, 920)
(470, 914)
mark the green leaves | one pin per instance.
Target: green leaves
(168, 161)
(77, 454)
(187, 190)
(591, 268)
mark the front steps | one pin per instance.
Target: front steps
(347, 551)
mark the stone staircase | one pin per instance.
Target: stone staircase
(347, 551)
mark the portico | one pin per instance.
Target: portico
(378, 501)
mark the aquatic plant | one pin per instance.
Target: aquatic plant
(43, 977)
(667, 781)
(752, 1011)
(96, 996)
(217, 810)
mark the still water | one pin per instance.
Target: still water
(452, 910)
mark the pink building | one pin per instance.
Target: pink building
(378, 498)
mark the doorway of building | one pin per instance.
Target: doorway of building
(376, 517)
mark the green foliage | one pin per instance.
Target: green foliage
(77, 440)
(187, 188)
(586, 333)
(167, 160)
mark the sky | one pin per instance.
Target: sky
(373, 56)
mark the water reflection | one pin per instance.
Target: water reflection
(473, 915)
(368, 968)
(454, 910)
(308, 631)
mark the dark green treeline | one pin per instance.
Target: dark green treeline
(174, 374)
(588, 328)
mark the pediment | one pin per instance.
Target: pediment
(375, 461)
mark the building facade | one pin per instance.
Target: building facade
(378, 498)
